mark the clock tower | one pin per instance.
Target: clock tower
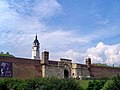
(35, 49)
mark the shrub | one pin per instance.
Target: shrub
(39, 84)
(52, 84)
(12, 84)
(96, 84)
(113, 84)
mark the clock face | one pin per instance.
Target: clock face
(35, 48)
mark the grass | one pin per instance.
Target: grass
(105, 65)
(83, 84)
(7, 55)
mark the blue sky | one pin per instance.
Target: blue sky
(66, 28)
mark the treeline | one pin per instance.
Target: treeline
(59, 84)
(105, 84)
(39, 84)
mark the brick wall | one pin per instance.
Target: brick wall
(24, 68)
(84, 71)
(28, 68)
(101, 71)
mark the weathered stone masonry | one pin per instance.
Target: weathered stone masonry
(23, 68)
(28, 68)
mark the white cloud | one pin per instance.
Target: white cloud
(15, 16)
(109, 54)
(62, 38)
(27, 15)
(47, 9)
(76, 57)
(21, 20)
(35, 8)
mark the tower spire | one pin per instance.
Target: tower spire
(35, 49)
(36, 36)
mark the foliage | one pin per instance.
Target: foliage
(113, 84)
(39, 84)
(83, 84)
(96, 84)
(105, 65)
(52, 84)
(10, 83)
(7, 55)
(99, 64)
(105, 84)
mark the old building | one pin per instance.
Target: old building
(64, 68)
(35, 49)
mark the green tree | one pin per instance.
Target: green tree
(12, 84)
(39, 84)
(96, 84)
(113, 84)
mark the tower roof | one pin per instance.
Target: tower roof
(36, 40)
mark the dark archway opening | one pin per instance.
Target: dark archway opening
(66, 74)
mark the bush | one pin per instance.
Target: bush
(96, 84)
(39, 84)
(10, 83)
(113, 84)
(52, 84)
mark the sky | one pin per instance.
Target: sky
(73, 29)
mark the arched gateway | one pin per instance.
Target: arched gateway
(66, 73)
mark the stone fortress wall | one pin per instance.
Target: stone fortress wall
(101, 72)
(64, 68)
(23, 68)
